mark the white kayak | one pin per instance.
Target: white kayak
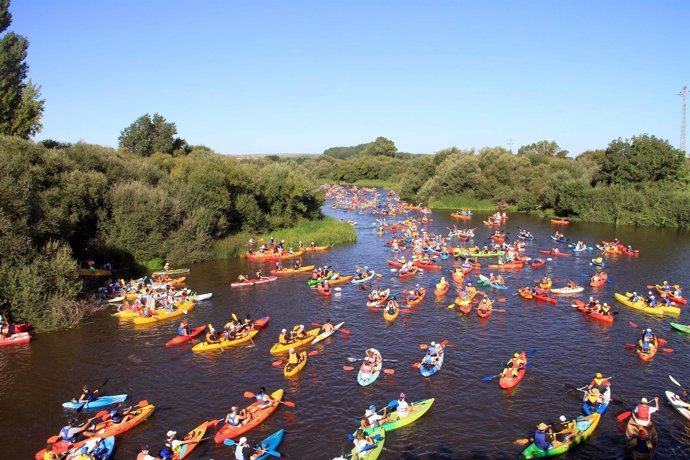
(567, 290)
(324, 335)
(676, 402)
(204, 296)
(116, 299)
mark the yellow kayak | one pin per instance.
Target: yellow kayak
(205, 346)
(162, 314)
(292, 369)
(279, 348)
(642, 305)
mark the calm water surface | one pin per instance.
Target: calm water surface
(470, 419)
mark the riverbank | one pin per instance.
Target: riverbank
(455, 202)
(326, 231)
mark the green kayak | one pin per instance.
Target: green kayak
(417, 409)
(372, 454)
(681, 327)
(585, 428)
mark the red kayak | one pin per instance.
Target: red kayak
(185, 338)
(544, 298)
(15, 339)
(536, 263)
(465, 308)
(671, 297)
(509, 382)
(322, 291)
(394, 263)
(598, 316)
(18, 327)
(559, 254)
(419, 264)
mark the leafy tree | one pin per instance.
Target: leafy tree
(345, 152)
(543, 148)
(20, 105)
(151, 134)
(381, 146)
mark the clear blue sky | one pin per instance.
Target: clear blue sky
(297, 76)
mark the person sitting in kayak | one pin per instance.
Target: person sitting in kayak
(50, 454)
(542, 438)
(284, 338)
(299, 333)
(327, 327)
(642, 415)
(173, 445)
(500, 281)
(635, 298)
(325, 286)
(242, 278)
(166, 267)
(86, 395)
(211, 335)
(362, 443)
(70, 432)
(278, 266)
(563, 430)
(391, 307)
(293, 358)
(315, 274)
(594, 398)
(116, 417)
(259, 274)
(570, 284)
(298, 264)
(651, 300)
(604, 309)
(263, 398)
(519, 360)
(183, 329)
(373, 419)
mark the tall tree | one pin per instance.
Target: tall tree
(381, 146)
(546, 148)
(151, 134)
(20, 105)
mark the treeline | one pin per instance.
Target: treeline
(639, 181)
(87, 202)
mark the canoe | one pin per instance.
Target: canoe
(16, 339)
(99, 449)
(291, 369)
(196, 434)
(161, 314)
(642, 305)
(581, 306)
(603, 277)
(324, 335)
(567, 290)
(674, 399)
(291, 271)
(365, 379)
(408, 274)
(205, 346)
(174, 272)
(653, 348)
(104, 430)
(560, 221)
(422, 294)
(98, 402)
(185, 338)
(671, 297)
(558, 254)
(365, 279)
(417, 410)
(484, 312)
(269, 444)
(427, 370)
(254, 281)
(228, 431)
(509, 382)
(96, 272)
(589, 409)
(379, 436)
(681, 327)
(391, 316)
(536, 263)
(585, 427)
(278, 348)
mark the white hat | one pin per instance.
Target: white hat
(644, 401)
(650, 292)
(243, 440)
(368, 412)
(171, 433)
(649, 330)
(292, 350)
(562, 418)
(284, 330)
(433, 344)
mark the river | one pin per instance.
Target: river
(471, 418)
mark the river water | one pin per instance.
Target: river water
(471, 418)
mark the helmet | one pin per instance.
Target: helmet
(243, 440)
(372, 407)
(433, 344)
(234, 408)
(644, 401)
(665, 282)
(650, 292)
(649, 330)
(292, 350)
(516, 355)
(599, 376)
(284, 331)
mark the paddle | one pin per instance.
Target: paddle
(249, 394)
(230, 442)
(677, 383)
(352, 360)
(385, 371)
(344, 331)
(622, 417)
(81, 408)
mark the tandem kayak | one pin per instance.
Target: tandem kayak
(291, 369)
(484, 280)
(197, 435)
(98, 402)
(558, 254)
(428, 369)
(324, 335)
(536, 263)
(291, 271)
(567, 290)
(642, 305)
(417, 410)
(378, 435)
(162, 314)
(364, 279)
(581, 306)
(284, 348)
(269, 444)
(544, 298)
(402, 275)
(507, 380)
(672, 298)
(185, 338)
(678, 404)
(585, 427)
(205, 346)
(265, 279)
(424, 266)
(422, 294)
(367, 378)
(259, 412)
(603, 278)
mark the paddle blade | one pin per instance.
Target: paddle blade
(213, 423)
(423, 346)
(451, 306)
(452, 345)
(142, 403)
(490, 377)
(662, 342)
(522, 442)
(316, 324)
(501, 300)
(277, 363)
(289, 403)
(675, 381)
(623, 416)
(53, 439)
(667, 350)
(249, 394)
(416, 365)
(229, 442)
(389, 371)
(348, 368)
(313, 353)
(345, 331)
(500, 310)
(633, 324)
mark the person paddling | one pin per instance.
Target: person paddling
(86, 395)
(327, 327)
(211, 335)
(373, 419)
(183, 329)
(70, 432)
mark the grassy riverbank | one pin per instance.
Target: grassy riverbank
(455, 202)
(326, 231)
(384, 184)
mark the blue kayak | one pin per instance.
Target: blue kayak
(428, 370)
(365, 279)
(558, 240)
(270, 443)
(589, 409)
(98, 402)
(98, 448)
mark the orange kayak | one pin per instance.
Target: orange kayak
(258, 415)
(422, 294)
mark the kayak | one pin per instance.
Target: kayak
(643, 449)
(491, 224)
(424, 266)
(269, 444)
(418, 409)
(651, 351)
(371, 454)
(484, 311)
(16, 339)
(174, 272)
(96, 272)
(205, 346)
(506, 382)
(316, 248)
(254, 281)
(465, 307)
(525, 293)
(585, 427)
(196, 434)
(642, 305)
(390, 316)
(161, 314)
(98, 448)
(366, 378)
(185, 338)
(422, 294)
(559, 254)
(322, 291)
(681, 327)
(206, 296)
(507, 266)
(598, 263)
(603, 277)
(558, 240)
(536, 263)
(675, 399)
(98, 402)
(486, 254)
(395, 263)
(544, 298)
(567, 290)
(427, 369)
(290, 271)
(273, 255)
(672, 298)
(291, 369)
(560, 221)
(279, 348)
(104, 429)
(341, 279)
(260, 414)
(441, 292)
(484, 280)
(581, 306)
(408, 274)
(459, 278)
(589, 409)
(324, 335)
(365, 279)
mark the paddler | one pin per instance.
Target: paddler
(86, 395)
(403, 409)
(562, 430)
(284, 337)
(327, 327)
(599, 382)
(361, 443)
(594, 398)
(298, 264)
(642, 415)
(242, 278)
(373, 419)
(70, 432)
(174, 445)
(49, 454)
(278, 266)
(293, 357)
(239, 448)
(211, 335)
(542, 439)
(259, 274)
(235, 418)
(263, 398)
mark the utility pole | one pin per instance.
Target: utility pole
(510, 142)
(683, 94)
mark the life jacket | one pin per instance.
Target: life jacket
(540, 440)
(294, 359)
(115, 417)
(64, 434)
(181, 330)
(642, 413)
(234, 420)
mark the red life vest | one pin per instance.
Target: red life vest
(642, 413)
